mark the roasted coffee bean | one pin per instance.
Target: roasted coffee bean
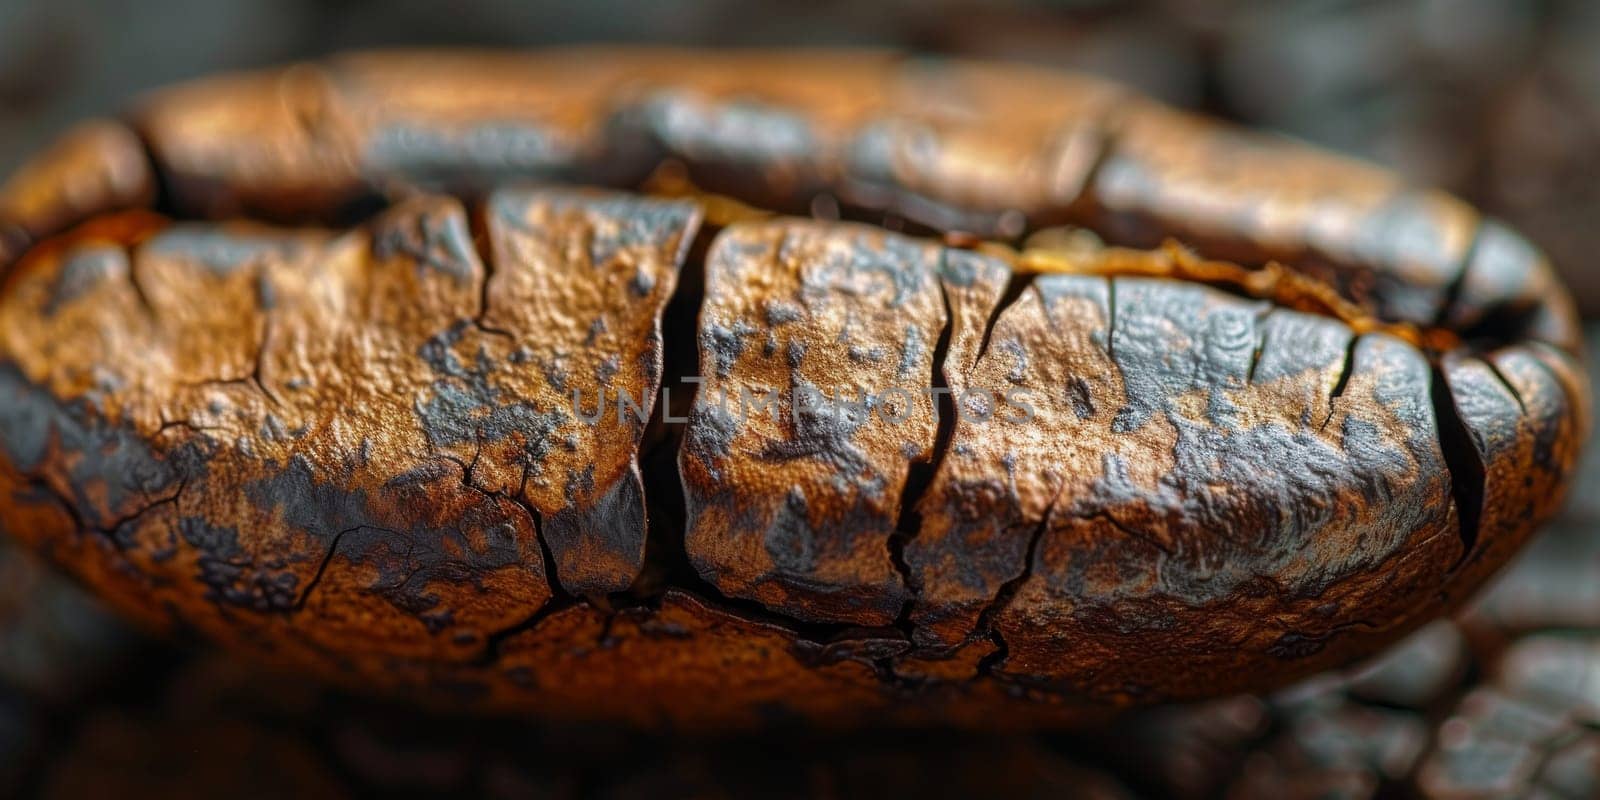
(1064, 402)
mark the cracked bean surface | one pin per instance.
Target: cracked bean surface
(377, 369)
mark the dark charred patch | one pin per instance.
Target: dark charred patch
(107, 461)
(726, 343)
(595, 544)
(221, 251)
(408, 553)
(789, 539)
(82, 270)
(464, 408)
(464, 159)
(232, 576)
(435, 238)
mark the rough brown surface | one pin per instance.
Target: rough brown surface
(1498, 701)
(362, 445)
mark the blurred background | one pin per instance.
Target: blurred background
(1497, 100)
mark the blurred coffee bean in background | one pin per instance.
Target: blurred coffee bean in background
(1498, 100)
